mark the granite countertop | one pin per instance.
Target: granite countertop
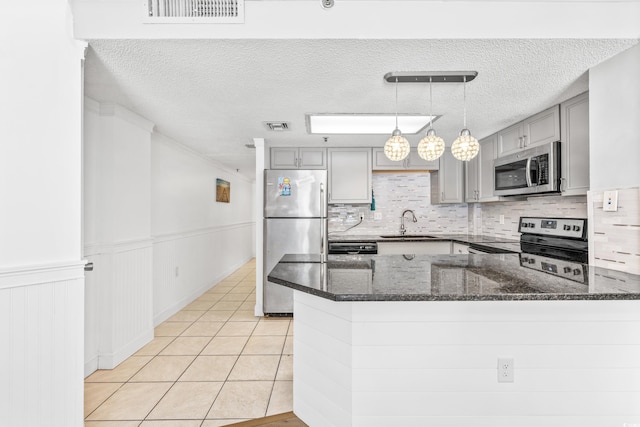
(446, 278)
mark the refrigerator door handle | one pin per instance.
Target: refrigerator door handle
(323, 255)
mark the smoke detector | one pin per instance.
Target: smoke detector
(277, 126)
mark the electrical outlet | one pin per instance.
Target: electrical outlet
(501, 219)
(361, 216)
(505, 370)
(377, 215)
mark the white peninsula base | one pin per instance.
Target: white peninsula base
(434, 363)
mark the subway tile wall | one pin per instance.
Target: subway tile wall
(614, 237)
(484, 218)
(394, 192)
(397, 191)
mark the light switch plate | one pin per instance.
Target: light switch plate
(610, 202)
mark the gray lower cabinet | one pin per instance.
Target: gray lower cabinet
(298, 158)
(538, 129)
(349, 175)
(414, 248)
(479, 177)
(447, 184)
(412, 162)
(574, 145)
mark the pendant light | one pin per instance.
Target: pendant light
(397, 147)
(431, 146)
(465, 147)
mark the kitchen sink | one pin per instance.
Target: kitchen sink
(408, 236)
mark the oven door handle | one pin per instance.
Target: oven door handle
(528, 172)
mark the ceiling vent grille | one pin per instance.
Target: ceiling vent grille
(277, 126)
(195, 11)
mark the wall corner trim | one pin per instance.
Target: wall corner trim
(116, 110)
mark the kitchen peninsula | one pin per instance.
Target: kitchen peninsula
(414, 340)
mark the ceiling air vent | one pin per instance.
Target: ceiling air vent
(277, 126)
(195, 11)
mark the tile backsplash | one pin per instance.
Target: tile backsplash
(393, 193)
(614, 237)
(396, 191)
(484, 218)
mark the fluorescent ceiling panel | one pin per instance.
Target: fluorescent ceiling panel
(379, 124)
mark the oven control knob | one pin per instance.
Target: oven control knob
(576, 271)
(567, 269)
(567, 227)
(576, 228)
(532, 225)
(532, 260)
(525, 225)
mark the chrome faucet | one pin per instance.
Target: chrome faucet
(403, 229)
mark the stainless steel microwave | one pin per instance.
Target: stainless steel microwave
(532, 171)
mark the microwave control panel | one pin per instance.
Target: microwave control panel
(559, 227)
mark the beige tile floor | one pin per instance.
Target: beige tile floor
(211, 364)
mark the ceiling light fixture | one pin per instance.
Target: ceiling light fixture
(364, 123)
(465, 147)
(431, 146)
(397, 147)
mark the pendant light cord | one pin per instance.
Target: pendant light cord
(396, 103)
(464, 105)
(430, 104)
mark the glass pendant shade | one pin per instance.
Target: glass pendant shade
(465, 147)
(397, 147)
(431, 146)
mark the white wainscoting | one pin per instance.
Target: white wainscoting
(118, 301)
(185, 265)
(374, 364)
(41, 331)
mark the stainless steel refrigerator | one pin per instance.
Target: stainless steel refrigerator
(295, 222)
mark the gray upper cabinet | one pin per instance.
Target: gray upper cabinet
(298, 158)
(412, 162)
(574, 145)
(349, 175)
(447, 182)
(539, 129)
(479, 172)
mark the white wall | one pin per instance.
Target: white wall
(614, 109)
(41, 274)
(197, 241)
(455, 19)
(117, 234)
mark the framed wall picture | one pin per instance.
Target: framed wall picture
(223, 191)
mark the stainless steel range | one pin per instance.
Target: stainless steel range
(556, 246)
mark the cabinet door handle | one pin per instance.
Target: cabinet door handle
(524, 140)
(442, 196)
(520, 142)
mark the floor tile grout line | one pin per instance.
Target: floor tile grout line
(228, 320)
(223, 382)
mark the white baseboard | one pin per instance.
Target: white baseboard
(110, 361)
(90, 366)
(183, 302)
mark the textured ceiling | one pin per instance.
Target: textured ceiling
(214, 95)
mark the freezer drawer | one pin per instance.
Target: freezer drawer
(287, 236)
